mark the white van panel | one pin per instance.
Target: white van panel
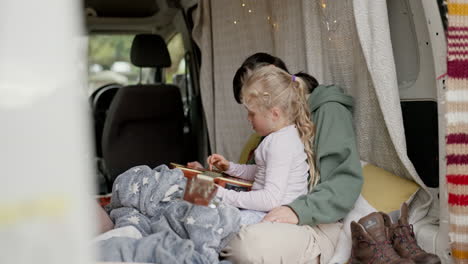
(412, 50)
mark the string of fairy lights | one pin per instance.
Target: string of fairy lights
(249, 10)
(329, 21)
(274, 24)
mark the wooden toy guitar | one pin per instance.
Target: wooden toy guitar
(220, 178)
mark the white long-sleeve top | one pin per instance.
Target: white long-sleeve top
(279, 175)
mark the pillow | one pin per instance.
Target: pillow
(251, 144)
(385, 191)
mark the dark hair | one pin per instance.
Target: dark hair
(261, 59)
(309, 80)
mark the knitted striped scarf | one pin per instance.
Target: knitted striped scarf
(457, 128)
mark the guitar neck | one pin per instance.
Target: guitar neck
(218, 176)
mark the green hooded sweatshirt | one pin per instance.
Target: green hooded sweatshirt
(337, 159)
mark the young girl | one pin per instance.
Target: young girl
(277, 110)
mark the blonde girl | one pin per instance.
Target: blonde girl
(277, 109)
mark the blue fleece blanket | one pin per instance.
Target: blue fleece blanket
(174, 231)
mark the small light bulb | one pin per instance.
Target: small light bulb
(250, 10)
(243, 4)
(235, 22)
(324, 5)
(268, 17)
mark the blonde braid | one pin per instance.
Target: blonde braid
(305, 128)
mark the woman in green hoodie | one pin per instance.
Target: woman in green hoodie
(307, 230)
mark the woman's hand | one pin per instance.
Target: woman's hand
(282, 214)
(194, 165)
(218, 161)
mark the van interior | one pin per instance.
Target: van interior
(137, 120)
(151, 112)
(144, 91)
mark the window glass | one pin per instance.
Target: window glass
(177, 74)
(177, 52)
(109, 61)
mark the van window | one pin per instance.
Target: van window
(177, 53)
(178, 74)
(109, 61)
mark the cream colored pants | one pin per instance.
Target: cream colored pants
(283, 243)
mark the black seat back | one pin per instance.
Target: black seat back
(145, 123)
(101, 100)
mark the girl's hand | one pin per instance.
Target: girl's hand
(194, 165)
(282, 214)
(218, 161)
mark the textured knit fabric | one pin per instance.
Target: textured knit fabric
(457, 128)
(280, 173)
(337, 159)
(167, 229)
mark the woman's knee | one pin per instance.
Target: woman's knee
(242, 248)
(272, 243)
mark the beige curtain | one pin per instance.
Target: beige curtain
(320, 37)
(226, 37)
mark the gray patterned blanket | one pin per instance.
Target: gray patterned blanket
(173, 230)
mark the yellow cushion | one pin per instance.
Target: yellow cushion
(251, 144)
(385, 191)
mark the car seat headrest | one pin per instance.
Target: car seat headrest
(149, 50)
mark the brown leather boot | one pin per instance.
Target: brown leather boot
(404, 240)
(371, 242)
